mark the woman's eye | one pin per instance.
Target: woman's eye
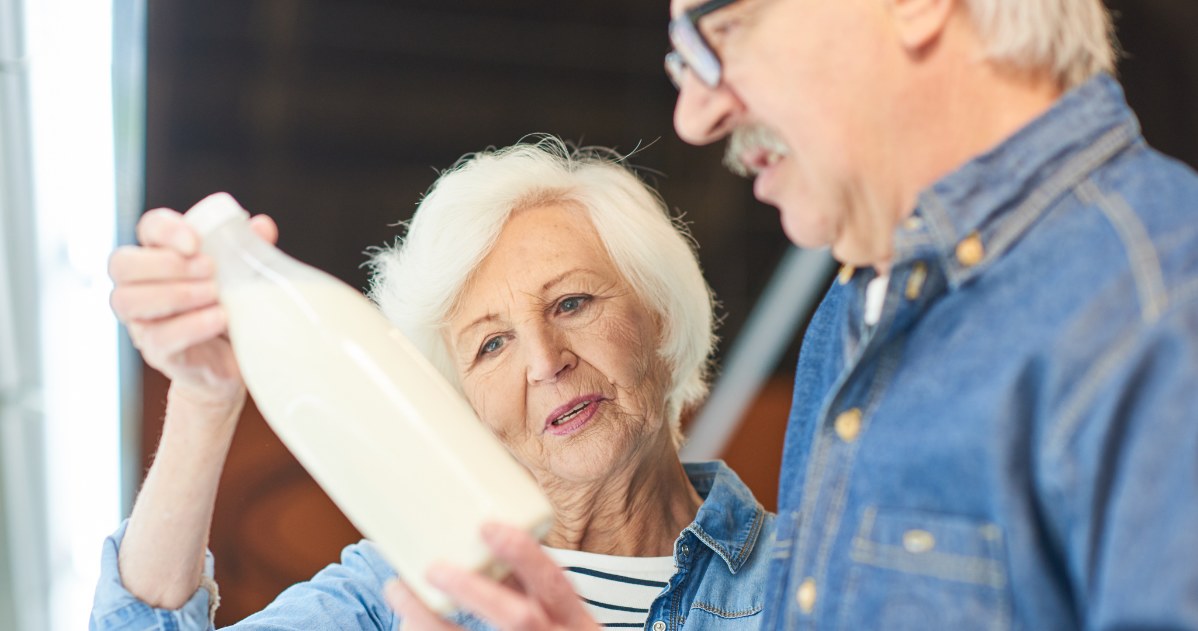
(572, 303)
(491, 345)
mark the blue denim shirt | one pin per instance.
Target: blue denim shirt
(1014, 443)
(719, 583)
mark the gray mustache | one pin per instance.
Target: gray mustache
(748, 137)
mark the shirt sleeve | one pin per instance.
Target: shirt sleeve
(116, 609)
(1125, 481)
(345, 595)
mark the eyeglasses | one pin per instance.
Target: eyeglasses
(691, 49)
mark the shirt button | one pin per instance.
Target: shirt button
(970, 251)
(848, 425)
(846, 274)
(806, 595)
(918, 541)
(685, 549)
(659, 626)
(919, 274)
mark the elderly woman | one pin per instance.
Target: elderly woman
(554, 290)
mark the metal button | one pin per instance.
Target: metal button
(918, 541)
(806, 595)
(913, 223)
(970, 251)
(846, 274)
(919, 274)
(848, 425)
(685, 549)
(659, 626)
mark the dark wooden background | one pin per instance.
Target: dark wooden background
(334, 115)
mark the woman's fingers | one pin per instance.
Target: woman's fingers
(265, 227)
(156, 301)
(548, 600)
(165, 228)
(162, 342)
(540, 577)
(416, 616)
(135, 264)
(504, 608)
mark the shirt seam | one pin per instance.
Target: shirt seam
(1008, 227)
(1141, 255)
(1065, 430)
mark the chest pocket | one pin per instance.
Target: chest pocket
(914, 570)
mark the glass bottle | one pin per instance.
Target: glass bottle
(394, 445)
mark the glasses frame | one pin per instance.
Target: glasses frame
(692, 50)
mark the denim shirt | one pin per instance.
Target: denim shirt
(719, 582)
(1014, 443)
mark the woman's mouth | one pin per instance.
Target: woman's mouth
(572, 416)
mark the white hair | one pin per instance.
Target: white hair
(1073, 40)
(416, 282)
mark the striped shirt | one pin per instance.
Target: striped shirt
(618, 591)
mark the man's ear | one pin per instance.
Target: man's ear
(919, 23)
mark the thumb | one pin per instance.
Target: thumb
(265, 227)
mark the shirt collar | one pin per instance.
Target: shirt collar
(730, 519)
(972, 215)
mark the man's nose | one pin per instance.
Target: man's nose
(549, 356)
(704, 115)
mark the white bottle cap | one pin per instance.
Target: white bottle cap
(213, 211)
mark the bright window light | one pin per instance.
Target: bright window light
(69, 46)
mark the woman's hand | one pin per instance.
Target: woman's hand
(165, 293)
(541, 599)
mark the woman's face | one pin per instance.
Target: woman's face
(556, 352)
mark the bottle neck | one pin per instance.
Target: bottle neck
(241, 255)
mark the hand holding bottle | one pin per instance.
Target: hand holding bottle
(165, 293)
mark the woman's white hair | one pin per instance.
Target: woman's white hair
(416, 281)
(1071, 39)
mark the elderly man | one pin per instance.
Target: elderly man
(995, 420)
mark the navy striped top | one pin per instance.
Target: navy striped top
(618, 591)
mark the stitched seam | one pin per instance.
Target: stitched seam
(887, 365)
(1071, 415)
(820, 446)
(1145, 266)
(1075, 171)
(713, 544)
(815, 471)
(751, 540)
(782, 547)
(1040, 199)
(709, 608)
(952, 567)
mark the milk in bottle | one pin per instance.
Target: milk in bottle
(397, 449)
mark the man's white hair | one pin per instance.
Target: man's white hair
(1071, 39)
(416, 282)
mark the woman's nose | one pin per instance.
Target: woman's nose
(549, 357)
(703, 115)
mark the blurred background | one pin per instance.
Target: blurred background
(334, 116)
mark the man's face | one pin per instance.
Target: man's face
(802, 83)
